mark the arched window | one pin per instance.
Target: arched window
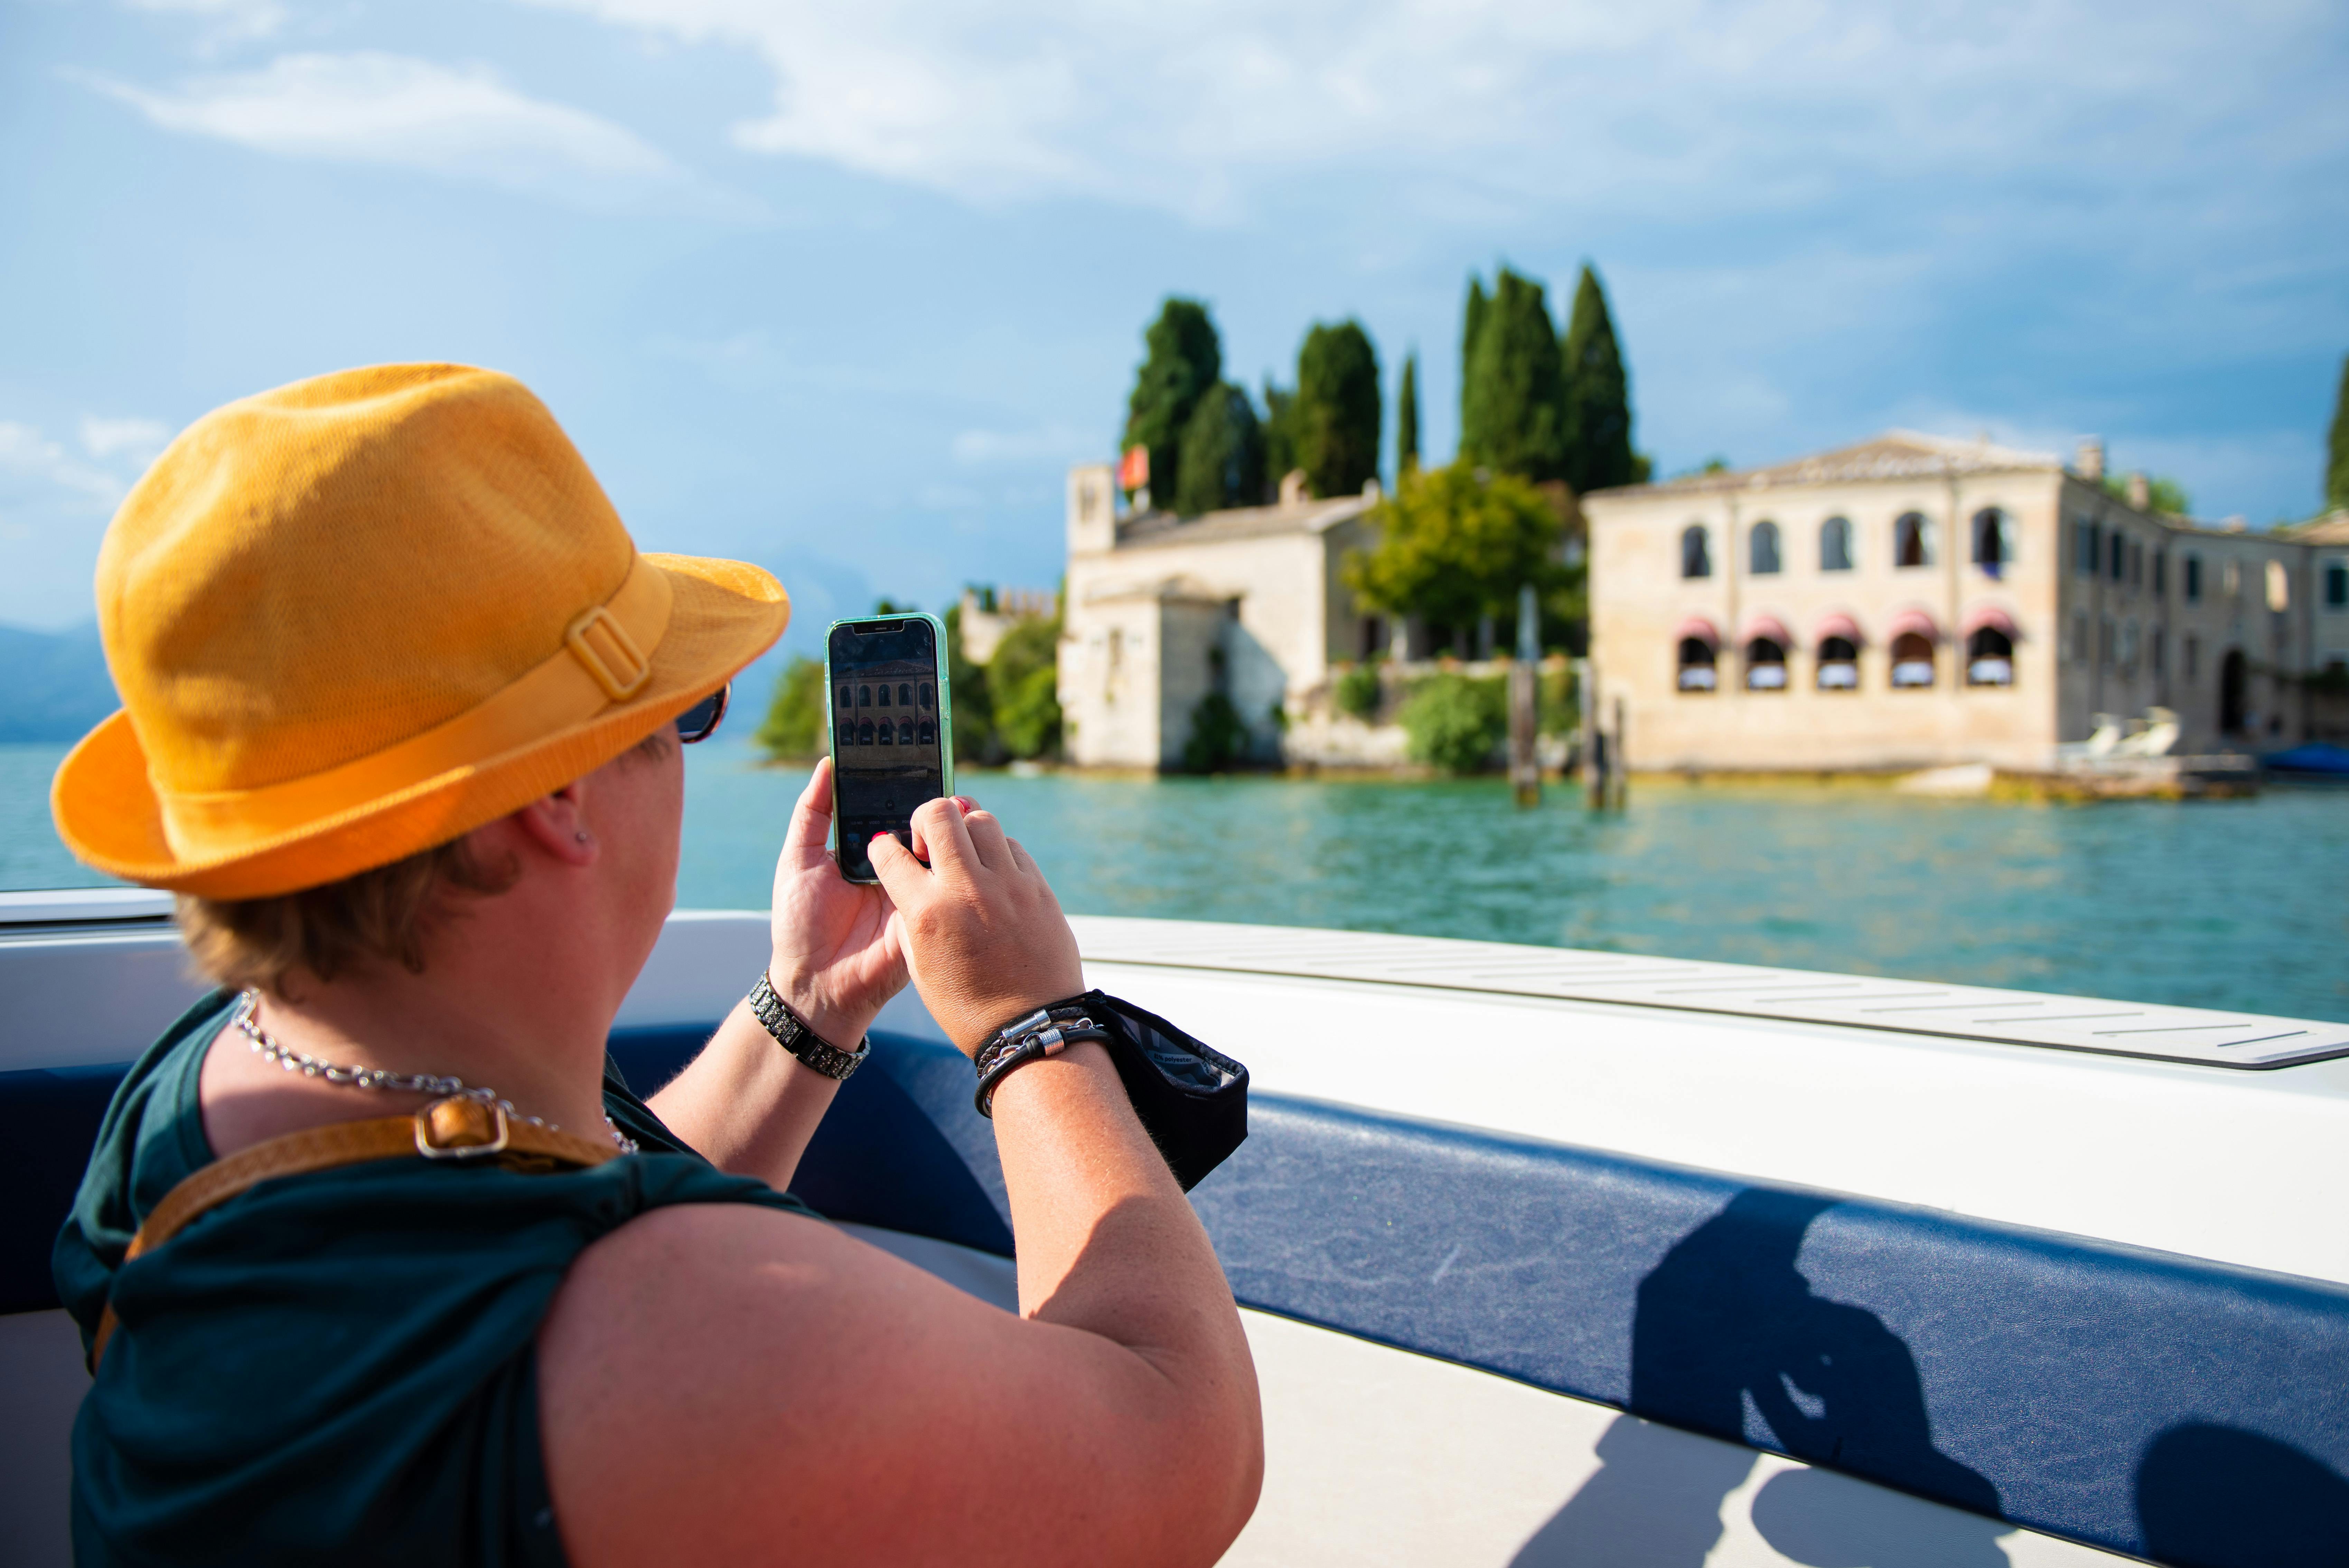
(1761, 549)
(905, 732)
(848, 732)
(1835, 545)
(1994, 541)
(1696, 664)
(926, 698)
(1912, 660)
(888, 734)
(1838, 664)
(884, 695)
(905, 694)
(864, 696)
(1765, 665)
(1696, 555)
(930, 734)
(1912, 540)
(865, 733)
(1990, 657)
(847, 697)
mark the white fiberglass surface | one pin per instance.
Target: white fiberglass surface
(2211, 1162)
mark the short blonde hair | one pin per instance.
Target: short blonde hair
(382, 915)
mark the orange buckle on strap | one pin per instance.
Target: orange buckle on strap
(461, 1128)
(601, 643)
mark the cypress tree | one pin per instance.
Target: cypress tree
(2336, 453)
(1279, 435)
(1223, 455)
(1597, 395)
(1472, 322)
(1185, 360)
(1407, 419)
(1338, 411)
(1513, 397)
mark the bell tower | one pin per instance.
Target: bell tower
(1092, 509)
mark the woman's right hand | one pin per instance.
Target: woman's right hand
(982, 934)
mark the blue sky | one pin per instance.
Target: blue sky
(843, 289)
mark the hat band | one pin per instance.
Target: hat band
(606, 658)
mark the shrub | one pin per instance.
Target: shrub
(1359, 692)
(1454, 723)
(1217, 735)
(1559, 706)
(794, 729)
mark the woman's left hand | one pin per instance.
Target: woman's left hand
(836, 956)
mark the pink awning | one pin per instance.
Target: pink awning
(1992, 617)
(1841, 626)
(1697, 627)
(1767, 626)
(1914, 620)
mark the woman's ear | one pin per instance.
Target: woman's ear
(556, 824)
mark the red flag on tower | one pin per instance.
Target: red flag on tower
(1133, 469)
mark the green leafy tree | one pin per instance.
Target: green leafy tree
(1513, 397)
(1598, 396)
(972, 718)
(1223, 455)
(794, 727)
(1338, 408)
(1184, 363)
(1407, 419)
(1455, 723)
(1023, 683)
(1454, 547)
(2336, 447)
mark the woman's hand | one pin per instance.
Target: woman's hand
(982, 933)
(838, 956)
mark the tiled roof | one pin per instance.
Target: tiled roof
(1895, 454)
(2332, 528)
(1155, 528)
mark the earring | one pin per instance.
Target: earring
(581, 836)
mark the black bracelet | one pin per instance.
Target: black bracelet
(793, 1033)
(1030, 1037)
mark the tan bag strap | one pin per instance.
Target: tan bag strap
(454, 1129)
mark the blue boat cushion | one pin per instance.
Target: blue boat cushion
(2150, 1403)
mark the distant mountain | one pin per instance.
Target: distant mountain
(56, 686)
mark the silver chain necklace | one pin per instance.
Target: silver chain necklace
(378, 1078)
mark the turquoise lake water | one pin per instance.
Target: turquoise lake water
(2239, 904)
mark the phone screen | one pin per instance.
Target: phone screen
(889, 739)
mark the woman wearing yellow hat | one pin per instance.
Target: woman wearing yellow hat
(403, 706)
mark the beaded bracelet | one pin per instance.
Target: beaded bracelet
(1047, 1032)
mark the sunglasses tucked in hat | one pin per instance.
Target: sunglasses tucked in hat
(361, 614)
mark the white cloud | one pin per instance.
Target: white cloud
(398, 111)
(28, 456)
(141, 441)
(226, 20)
(1202, 108)
(1050, 443)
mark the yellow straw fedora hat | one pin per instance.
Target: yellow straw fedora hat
(359, 616)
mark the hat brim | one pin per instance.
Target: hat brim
(722, 615)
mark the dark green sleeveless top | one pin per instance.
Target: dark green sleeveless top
(331, 1368)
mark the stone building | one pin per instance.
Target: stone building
(1163, 611)
(1913, 601)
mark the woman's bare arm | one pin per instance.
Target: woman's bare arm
(729, 1384)
(747, 1104)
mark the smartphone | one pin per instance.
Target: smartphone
(891, 730)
